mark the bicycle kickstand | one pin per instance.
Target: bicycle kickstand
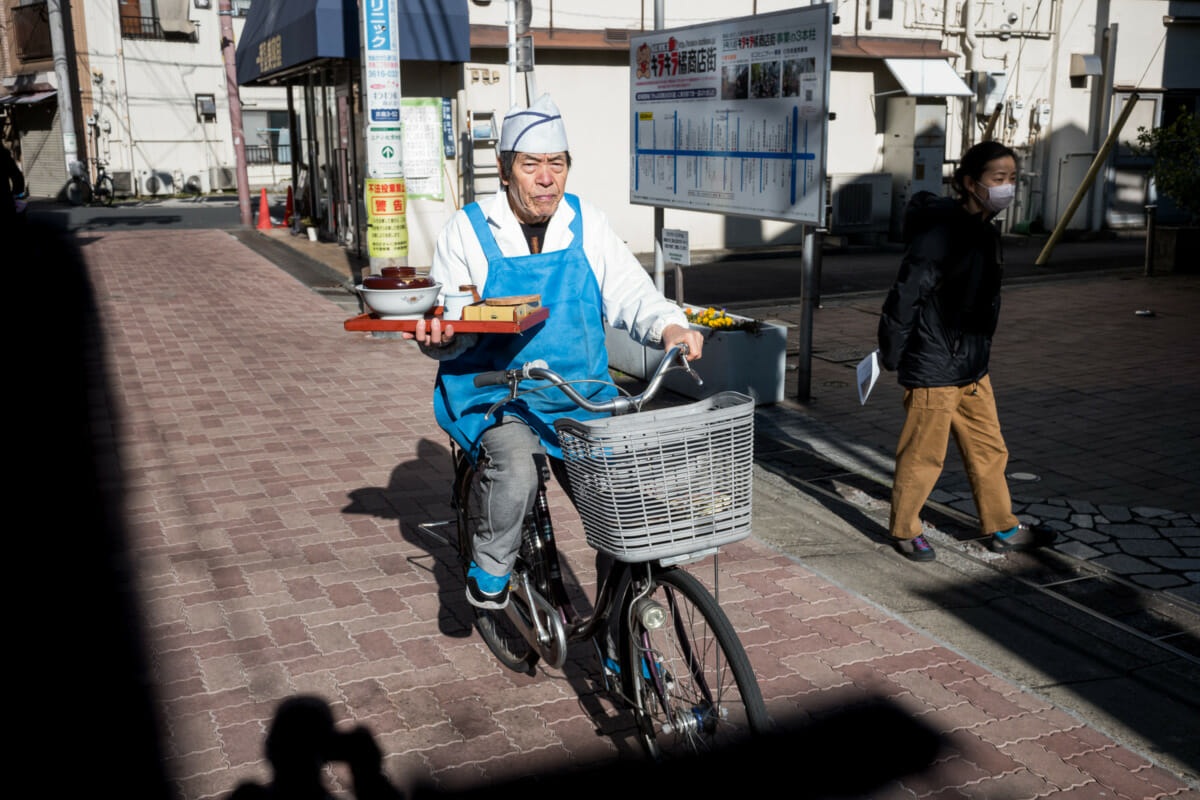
(428, 529)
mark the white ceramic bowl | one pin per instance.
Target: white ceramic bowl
(400, 303)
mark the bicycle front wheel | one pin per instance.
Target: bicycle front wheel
(693, 688)
(497, 630)
(104, 191)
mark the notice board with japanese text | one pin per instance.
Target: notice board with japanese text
(731, 117)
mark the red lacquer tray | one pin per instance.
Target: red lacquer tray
(370, 322)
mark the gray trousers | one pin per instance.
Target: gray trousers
(510, 466)
(512, 462)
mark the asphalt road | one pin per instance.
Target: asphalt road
(774, 274)
(170, 214)
(726, 279)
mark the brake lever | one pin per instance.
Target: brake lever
(512, 394)
(687, 367)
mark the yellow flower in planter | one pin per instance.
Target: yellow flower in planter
(719, 320)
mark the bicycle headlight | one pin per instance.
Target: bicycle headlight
(652, 615)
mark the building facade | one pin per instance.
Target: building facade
(148, 92)
(1047, 77)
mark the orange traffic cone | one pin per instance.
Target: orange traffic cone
(287, 210)
(264, 212)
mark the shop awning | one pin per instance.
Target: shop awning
(26, 99)
(887, 47)
(927, 77)
(279, 38)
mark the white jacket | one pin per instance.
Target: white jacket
(631, 301)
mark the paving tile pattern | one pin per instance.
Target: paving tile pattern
(276, 468)
(1153, 547)
(1097, 406)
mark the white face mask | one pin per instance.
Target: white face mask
(999, 197)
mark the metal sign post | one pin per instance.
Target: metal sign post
(384, 189)
(660, 280)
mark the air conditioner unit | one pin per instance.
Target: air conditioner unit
(122, 181)
(222, 178)
(156, 182)
(860, 203)
(193, 184)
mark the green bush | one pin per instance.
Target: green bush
(1175, 149)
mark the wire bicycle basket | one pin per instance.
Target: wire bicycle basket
(663, 483)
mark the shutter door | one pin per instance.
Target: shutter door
(42, 158)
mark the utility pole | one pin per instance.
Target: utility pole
(511, 23)
(229, 51)
(66, 92)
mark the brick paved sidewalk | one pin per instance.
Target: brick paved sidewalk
(275, 468)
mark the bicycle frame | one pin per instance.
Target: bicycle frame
(658, 617)
(574, 628)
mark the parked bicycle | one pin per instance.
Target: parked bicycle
(655, 490)
(80, 190)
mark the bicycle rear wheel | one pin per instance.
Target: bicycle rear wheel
(497, 630)
(693, 686)
(104, 191)
(78, 192)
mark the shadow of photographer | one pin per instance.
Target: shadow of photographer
(836, 752)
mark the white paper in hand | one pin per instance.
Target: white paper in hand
(868, 373)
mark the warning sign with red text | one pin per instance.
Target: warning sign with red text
(387, 225)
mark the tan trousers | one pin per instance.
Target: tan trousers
(969, 413)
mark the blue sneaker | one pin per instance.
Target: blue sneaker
(1021, 537)
(613, 667)
(485, 590)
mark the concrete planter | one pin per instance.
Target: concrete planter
(1176, 248)
(754, 364)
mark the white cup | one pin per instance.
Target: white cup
(453, 304)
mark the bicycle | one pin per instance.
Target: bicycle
(80, 190)
(655, 490)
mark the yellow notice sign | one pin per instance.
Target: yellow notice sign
(387, 225)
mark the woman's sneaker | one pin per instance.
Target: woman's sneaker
(485, 590)
(1021, 537)
(917, 548)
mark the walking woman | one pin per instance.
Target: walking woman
(936, 333)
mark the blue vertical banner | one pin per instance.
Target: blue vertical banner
(381, 72)
(384, 189)
(447, 128)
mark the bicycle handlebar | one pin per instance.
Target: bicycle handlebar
(501, 376)
(538, 370)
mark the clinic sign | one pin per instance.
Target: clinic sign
(731, 117)
(382, 67)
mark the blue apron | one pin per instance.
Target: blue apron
(571, 341)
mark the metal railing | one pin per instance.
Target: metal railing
(150, 28)
(268, 154)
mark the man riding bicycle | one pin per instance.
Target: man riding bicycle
(525, 241)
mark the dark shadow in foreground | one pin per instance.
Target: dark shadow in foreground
(842, 752)
(82, 681)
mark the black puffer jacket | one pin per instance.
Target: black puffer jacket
(938, 319)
